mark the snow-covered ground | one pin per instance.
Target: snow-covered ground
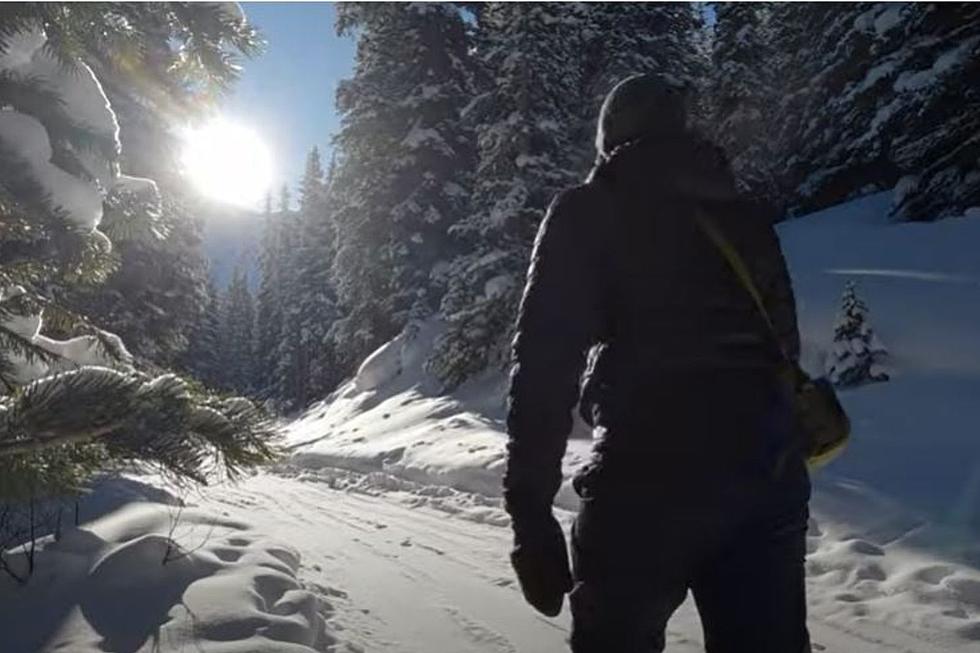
(384, 531)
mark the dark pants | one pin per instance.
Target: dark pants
(732, 534)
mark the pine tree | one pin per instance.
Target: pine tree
(929, 62)
(155, 292)
(317, 301)
(858, 356)
(73, 406)
(403, 165)
(285, 372)
(304, 362)
(872, 93)
(742, 97)
(268, 320)
(202, 359)
(525, 119)
(817, 51)
(237, 335)
(624, 39)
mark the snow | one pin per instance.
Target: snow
(78, 89)
(157, 576)
(888, 19)
(26, 138)
(20, 48)
(397, 540)
(498, 285)
(234, 11)
(425, 137)
(88, 106)
(82, 350)
(903, 188)
(377, 563)
(943, 64)
(140, 186)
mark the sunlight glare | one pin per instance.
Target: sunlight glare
(227, 162)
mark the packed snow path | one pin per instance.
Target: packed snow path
(397, 574)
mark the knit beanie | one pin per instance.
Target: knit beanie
(639, 106)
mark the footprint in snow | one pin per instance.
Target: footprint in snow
(970, 631)
(933, 574)
(479, 633)
(867, 548)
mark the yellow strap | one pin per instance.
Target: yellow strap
(741, 270)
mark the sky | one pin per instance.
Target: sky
(287, 94)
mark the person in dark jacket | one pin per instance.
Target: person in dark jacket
(696, 481)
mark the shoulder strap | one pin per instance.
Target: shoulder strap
(741, 270)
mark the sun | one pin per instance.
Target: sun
(227, 162)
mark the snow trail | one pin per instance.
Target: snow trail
(401, 575)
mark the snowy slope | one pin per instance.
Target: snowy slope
(916, 437)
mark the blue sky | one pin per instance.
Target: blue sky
(287, 93)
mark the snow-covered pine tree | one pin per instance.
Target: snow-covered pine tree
(304, 363)
(741, 96)
(285, 375)
(268, 312)
(623, 39)
(526, 117)
(317, 300)
(237, 334)
(156, 292)
(69, 407)
(819, 53)
(403, 165)
(858, 356)
(877, 92)
(930, 64)
(202, 358)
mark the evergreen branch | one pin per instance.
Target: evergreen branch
(158, 421)
(33, 445)
(12, 342)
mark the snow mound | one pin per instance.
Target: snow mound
(148, 576)
(393, 418)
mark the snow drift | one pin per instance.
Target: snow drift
(156, 575)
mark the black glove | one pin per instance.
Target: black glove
(540, 559)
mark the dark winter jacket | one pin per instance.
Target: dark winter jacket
(619, 263)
